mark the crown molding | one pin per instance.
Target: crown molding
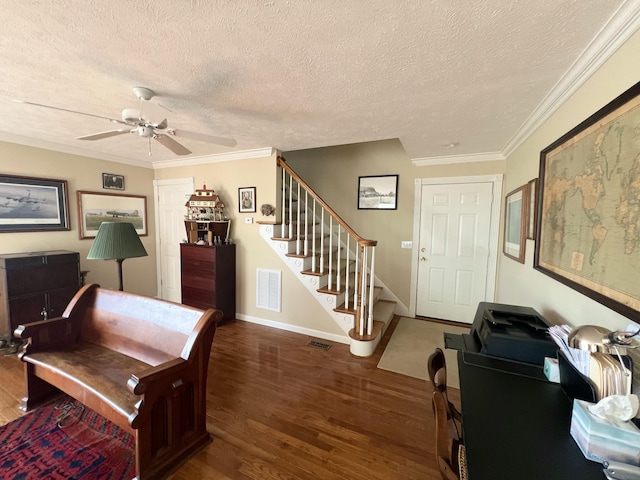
(217, 158)
(620, 27)
(56, 147)
(451, 159)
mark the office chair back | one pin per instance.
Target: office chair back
(449, 451)
(437, 369)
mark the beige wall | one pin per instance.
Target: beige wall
(521, 284)
(82, 173)
(299, 307)
(333, 173)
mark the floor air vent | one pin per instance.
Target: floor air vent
(324, 346)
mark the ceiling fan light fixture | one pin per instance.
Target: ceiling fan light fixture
(145, 131)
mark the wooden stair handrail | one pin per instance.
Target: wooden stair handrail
(361, 241)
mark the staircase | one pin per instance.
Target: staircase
(334, 263)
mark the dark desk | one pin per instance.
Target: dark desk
(517, 427)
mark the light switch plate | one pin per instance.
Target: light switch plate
(407, 244)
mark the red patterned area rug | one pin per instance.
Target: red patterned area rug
(65, 440)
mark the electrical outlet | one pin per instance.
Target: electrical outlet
(248, 220)
(407, 244)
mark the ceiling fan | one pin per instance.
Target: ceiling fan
(134, 122)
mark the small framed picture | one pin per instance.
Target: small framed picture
(111, 181)
(247, 199)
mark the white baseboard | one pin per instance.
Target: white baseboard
(295, 328)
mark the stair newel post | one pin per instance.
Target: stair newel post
(346, 280)
(290, 207)
(362, 297)
(306, 223)
(313, 229)
(359, 299)
(371, 285)
(298, 206)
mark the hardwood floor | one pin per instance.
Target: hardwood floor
(281, 409)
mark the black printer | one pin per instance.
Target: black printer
(508, 331)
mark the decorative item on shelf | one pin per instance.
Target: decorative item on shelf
(205, 220)
(116, 241)
(267, 210)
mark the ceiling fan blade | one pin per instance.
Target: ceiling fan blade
(107, 134)
(114, 120)
(172, 145)
(228, 142)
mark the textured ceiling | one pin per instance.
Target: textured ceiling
(290, 74)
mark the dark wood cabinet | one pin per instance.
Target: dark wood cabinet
(35, 286)
(208, 275)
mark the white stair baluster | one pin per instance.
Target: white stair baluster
(298, 221)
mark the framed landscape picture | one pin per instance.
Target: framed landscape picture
(516, 222)
(379, 192)
(29, 204)
(588, 234)
(97, 207)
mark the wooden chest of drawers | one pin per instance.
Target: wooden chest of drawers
(208, 276)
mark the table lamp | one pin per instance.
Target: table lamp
(116, 241)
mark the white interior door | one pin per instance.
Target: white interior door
(171, 195)
(454, 250)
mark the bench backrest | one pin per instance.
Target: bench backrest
(151, 330)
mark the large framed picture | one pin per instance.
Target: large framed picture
(97, 207)
(516, 222)
(378, 192)
(588, 229)
(247, 199)
(29, 204)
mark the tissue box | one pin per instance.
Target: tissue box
(602, 440)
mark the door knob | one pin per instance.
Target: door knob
(423, 259)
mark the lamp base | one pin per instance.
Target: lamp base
(119, 262)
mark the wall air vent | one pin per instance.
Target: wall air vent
(269, 289)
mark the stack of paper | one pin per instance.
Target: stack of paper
(578, 358)
(607, 373)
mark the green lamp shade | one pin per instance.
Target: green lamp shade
(116, 240)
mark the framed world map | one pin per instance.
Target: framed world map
(588, 215)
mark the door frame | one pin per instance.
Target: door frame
(189, 181)
(494, 229)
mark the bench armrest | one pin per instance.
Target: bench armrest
(44, 334)
(162, 375)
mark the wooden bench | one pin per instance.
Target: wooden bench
(138, 361)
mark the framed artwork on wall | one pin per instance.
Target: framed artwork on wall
(97, 207)
(30, 204)
(588, 234)
(378, 192)
(533, 210)
(111, 181)
(516, 223)
(247, 199)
